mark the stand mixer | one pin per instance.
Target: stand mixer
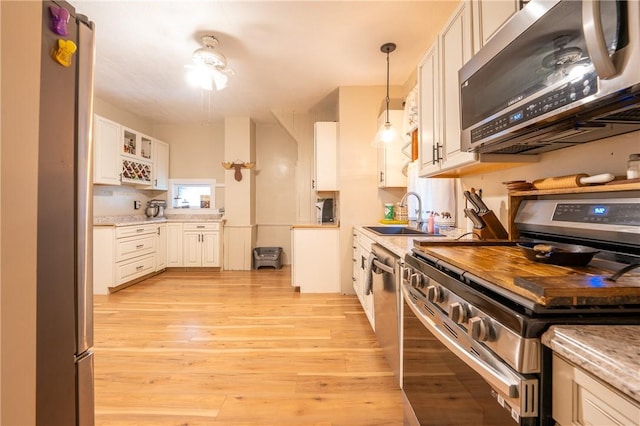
(155, 208)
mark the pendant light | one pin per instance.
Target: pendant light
(386, 134)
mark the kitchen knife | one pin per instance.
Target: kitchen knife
(478, 223)
(469, 198)
(482, 207)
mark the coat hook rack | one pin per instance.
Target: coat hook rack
(237, 166)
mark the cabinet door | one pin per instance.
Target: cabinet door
(161, 248)
(488, 17)
(326, 156)
(174, 244)
(391, 160)
(160, 165)
(106, 151)
(429, 129)
(192, 249)
(210, 253)
(455, 50)
(312, 272)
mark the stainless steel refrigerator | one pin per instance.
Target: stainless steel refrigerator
(64, 361)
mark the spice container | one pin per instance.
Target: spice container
(633, 166)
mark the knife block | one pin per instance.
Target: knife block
(493, 229)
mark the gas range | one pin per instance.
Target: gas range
(491, 304)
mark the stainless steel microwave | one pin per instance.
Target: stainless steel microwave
(557, 74)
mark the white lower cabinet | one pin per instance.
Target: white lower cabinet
(315, 262)
(122, 254)
(578, 398)
(361, 250)
(201, 244)
(161, 250)
(174, 245)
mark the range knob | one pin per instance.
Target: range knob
(406, 274)
(458, 312)
(418, 280)
(435, 293)
(480, 329)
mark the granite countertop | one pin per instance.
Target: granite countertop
(142, 219)
(401, 245)
(609, 352)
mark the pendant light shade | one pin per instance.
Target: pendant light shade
(386, 133)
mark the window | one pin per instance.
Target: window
(192, 193)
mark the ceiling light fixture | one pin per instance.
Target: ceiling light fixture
(386, 133)
(209, 67)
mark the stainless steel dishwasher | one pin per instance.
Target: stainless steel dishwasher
(385, 282)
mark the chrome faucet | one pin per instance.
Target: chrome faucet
(403, 203)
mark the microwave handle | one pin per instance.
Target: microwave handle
(594, 37)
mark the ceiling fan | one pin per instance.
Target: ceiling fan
(209, 66)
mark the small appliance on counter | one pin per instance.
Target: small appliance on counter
(324, 210)
(155, 208)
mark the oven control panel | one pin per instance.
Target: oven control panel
(603, 212)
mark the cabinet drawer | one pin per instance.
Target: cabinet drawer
(130, 270)
(201, 226)
(129, 231)
(127, 248)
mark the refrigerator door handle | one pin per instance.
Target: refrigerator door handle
(84, 186)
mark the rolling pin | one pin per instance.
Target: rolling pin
(572, 181)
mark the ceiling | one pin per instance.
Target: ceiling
(286, 54)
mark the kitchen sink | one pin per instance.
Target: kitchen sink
(395, 230)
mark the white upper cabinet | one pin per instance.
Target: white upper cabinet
(160, 170)
(456, 44)
(488, 17)
(439, 100)
(106, 151)
(391, 160)
(325, 156)
(428, 111)
(469, 27)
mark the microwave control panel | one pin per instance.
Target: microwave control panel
(559, 97)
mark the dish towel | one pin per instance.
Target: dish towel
(368, 279)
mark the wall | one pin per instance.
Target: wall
(195, 151)
(276, 158)
(19, 155)
(361, 201)
(604, 156)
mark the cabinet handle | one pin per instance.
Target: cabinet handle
(436, 153)
(313, 184)
(200, 226)
(158, 230)
(381, 176)
(139, 267)
(139, 246)
(140, 230)
(155, 182)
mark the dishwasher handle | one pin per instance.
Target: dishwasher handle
(380, 267)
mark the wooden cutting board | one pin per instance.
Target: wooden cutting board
(547, 285)
(454, 242)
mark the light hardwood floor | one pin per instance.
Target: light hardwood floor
(237, 348)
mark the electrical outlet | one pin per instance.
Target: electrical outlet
(136, 205)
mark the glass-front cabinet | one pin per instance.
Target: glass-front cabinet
(136, 157)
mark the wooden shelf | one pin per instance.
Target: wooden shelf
(611, 187)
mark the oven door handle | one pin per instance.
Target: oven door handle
(500, 382)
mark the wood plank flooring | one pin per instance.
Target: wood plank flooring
(237, 348)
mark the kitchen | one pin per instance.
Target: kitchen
(360, 200)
